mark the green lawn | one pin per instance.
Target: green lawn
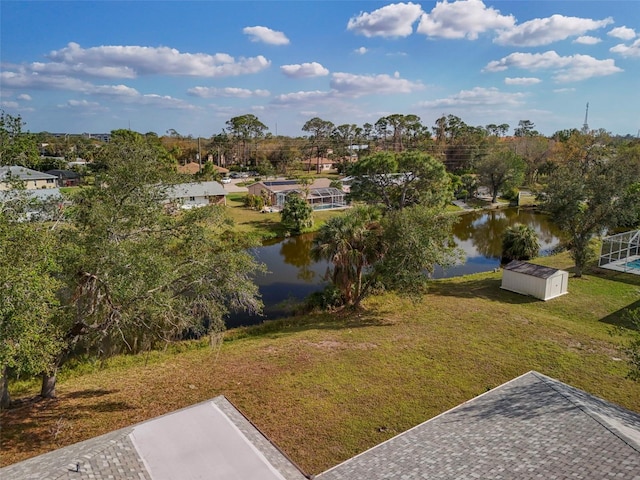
(266, 225)
(325, 387)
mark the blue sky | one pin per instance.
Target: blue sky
(192, 65)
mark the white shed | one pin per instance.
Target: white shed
(537, 281)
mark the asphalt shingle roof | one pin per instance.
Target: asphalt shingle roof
(24, 173)
(529, 428)
(211, 440)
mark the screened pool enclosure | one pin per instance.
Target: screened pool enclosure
(318, 198)
(621, 252)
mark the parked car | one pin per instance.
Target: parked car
(226, 180)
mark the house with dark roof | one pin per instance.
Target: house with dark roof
(66, 178)
(528, 428)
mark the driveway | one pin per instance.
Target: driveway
(233, 186)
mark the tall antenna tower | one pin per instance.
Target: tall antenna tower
(585, 126)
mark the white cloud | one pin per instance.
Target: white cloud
(354, 86)
(62, 68)
(301, 97)
(587, 40)
(9, 104)
(266, 35)
(361, 50)
(566, 69)
(164, 101)
(394, 20)
(477, 96)
(25, 97)
(623, 33)
(521, 81)
(632, 50)
(543, 31)
(25, 79)
(232, 92)
(130, 61)
(82, 104)
(564, 90)
(304, 70)
(115, 90)
(463, 18)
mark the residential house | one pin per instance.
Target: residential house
(530, 427)
(318, 165)
(319, 194)
(196, 194)
(32, 179)
(192, 168)
(66, 178)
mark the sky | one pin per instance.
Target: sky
(190, 66)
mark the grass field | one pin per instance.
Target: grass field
(326, 387)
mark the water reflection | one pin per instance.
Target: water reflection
(293, 275)
(479, 234)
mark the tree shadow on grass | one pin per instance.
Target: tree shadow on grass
(620, 317)
(89, 393)
(486, 288)
(40, 425)
(621, 277)
(339, 320)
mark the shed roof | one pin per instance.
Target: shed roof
(532, 269)
(531, 427)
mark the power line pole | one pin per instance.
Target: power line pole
(585, 126)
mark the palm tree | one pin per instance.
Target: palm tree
(350, 243)
(519, 242)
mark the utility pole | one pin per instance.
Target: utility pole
(199, 156)
(585, 126)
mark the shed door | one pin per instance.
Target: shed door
(556, 285)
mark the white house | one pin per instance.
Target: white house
(537, 281)
(197, 194)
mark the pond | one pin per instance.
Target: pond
(293, 275)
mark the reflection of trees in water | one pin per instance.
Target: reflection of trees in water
(296, 251)
(487, 235)
(484, 229)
